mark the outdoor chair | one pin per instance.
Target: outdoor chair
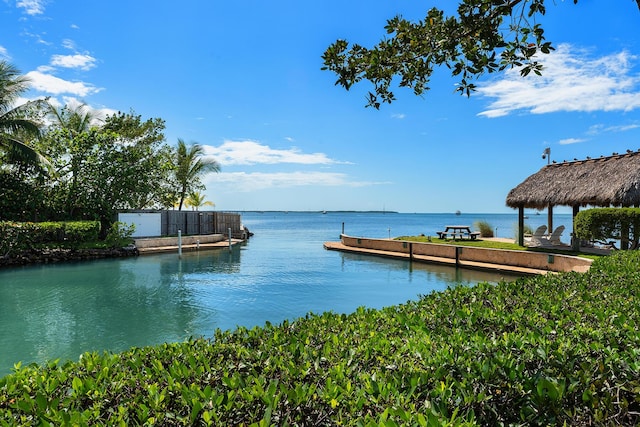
(554, 238)
(537, 237)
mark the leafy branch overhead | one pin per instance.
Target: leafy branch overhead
(485, 36)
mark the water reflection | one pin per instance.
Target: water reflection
(429, 272)
(60, 311)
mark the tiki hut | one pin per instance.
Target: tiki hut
(604, 181)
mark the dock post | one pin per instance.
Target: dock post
(229, 238)
(180, 243)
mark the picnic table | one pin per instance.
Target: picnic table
(458, 231)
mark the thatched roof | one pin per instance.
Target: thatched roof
(604, 181)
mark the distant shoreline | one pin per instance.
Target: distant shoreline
(284, 211)
(541, 214)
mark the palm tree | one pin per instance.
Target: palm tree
(189, 166)
(68, 124)
(196, 200)
(73, 119)
(17, 124)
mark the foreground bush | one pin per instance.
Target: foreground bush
(19, 236)
(605, 224)
(539, 351)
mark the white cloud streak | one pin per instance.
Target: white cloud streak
(4, 53)
(31, 7)
(599, 129)
(54, 85)
(68, 44)
(255, 181)
(570, 141)
(83, 62)
(571, 81)
(251, 153)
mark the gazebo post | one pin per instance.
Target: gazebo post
(521, 225)
(550, 219)
(575, 242)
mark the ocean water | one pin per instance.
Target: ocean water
(59, 311)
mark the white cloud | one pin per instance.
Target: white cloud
(69, 44)
(45, 69)
(251, 153)
(570, 141)
(32, 7)
(246, 182)
(56, 86)
(398, 116)
(84, 62)
(4, 53)
(571, 81)
(37, 37)
(598, 129)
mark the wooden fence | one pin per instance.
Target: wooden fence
(200, 222)
(154, 223)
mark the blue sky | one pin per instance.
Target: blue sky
(243, 79)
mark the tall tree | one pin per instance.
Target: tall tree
(142, 151)
(486, 36)
(18, 123)
(190, 164)
(123, 164)
(68, 144)
(22, 168)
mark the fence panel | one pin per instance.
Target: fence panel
(200, 222)
(225, 221)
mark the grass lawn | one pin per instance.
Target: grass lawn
(493, 244)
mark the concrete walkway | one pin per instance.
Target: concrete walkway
(173, 246)
(338, 246)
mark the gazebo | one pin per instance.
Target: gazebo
(605, 181)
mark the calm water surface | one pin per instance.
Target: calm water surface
(60, 311)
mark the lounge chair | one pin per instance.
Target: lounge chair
(537, 238)
(554, 238)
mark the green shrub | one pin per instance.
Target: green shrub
(119, 234)
(549, 350)
(81, 231)
(15, 237)
(485, 229)
(19, 236)
(603, 224)
(47, 232)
